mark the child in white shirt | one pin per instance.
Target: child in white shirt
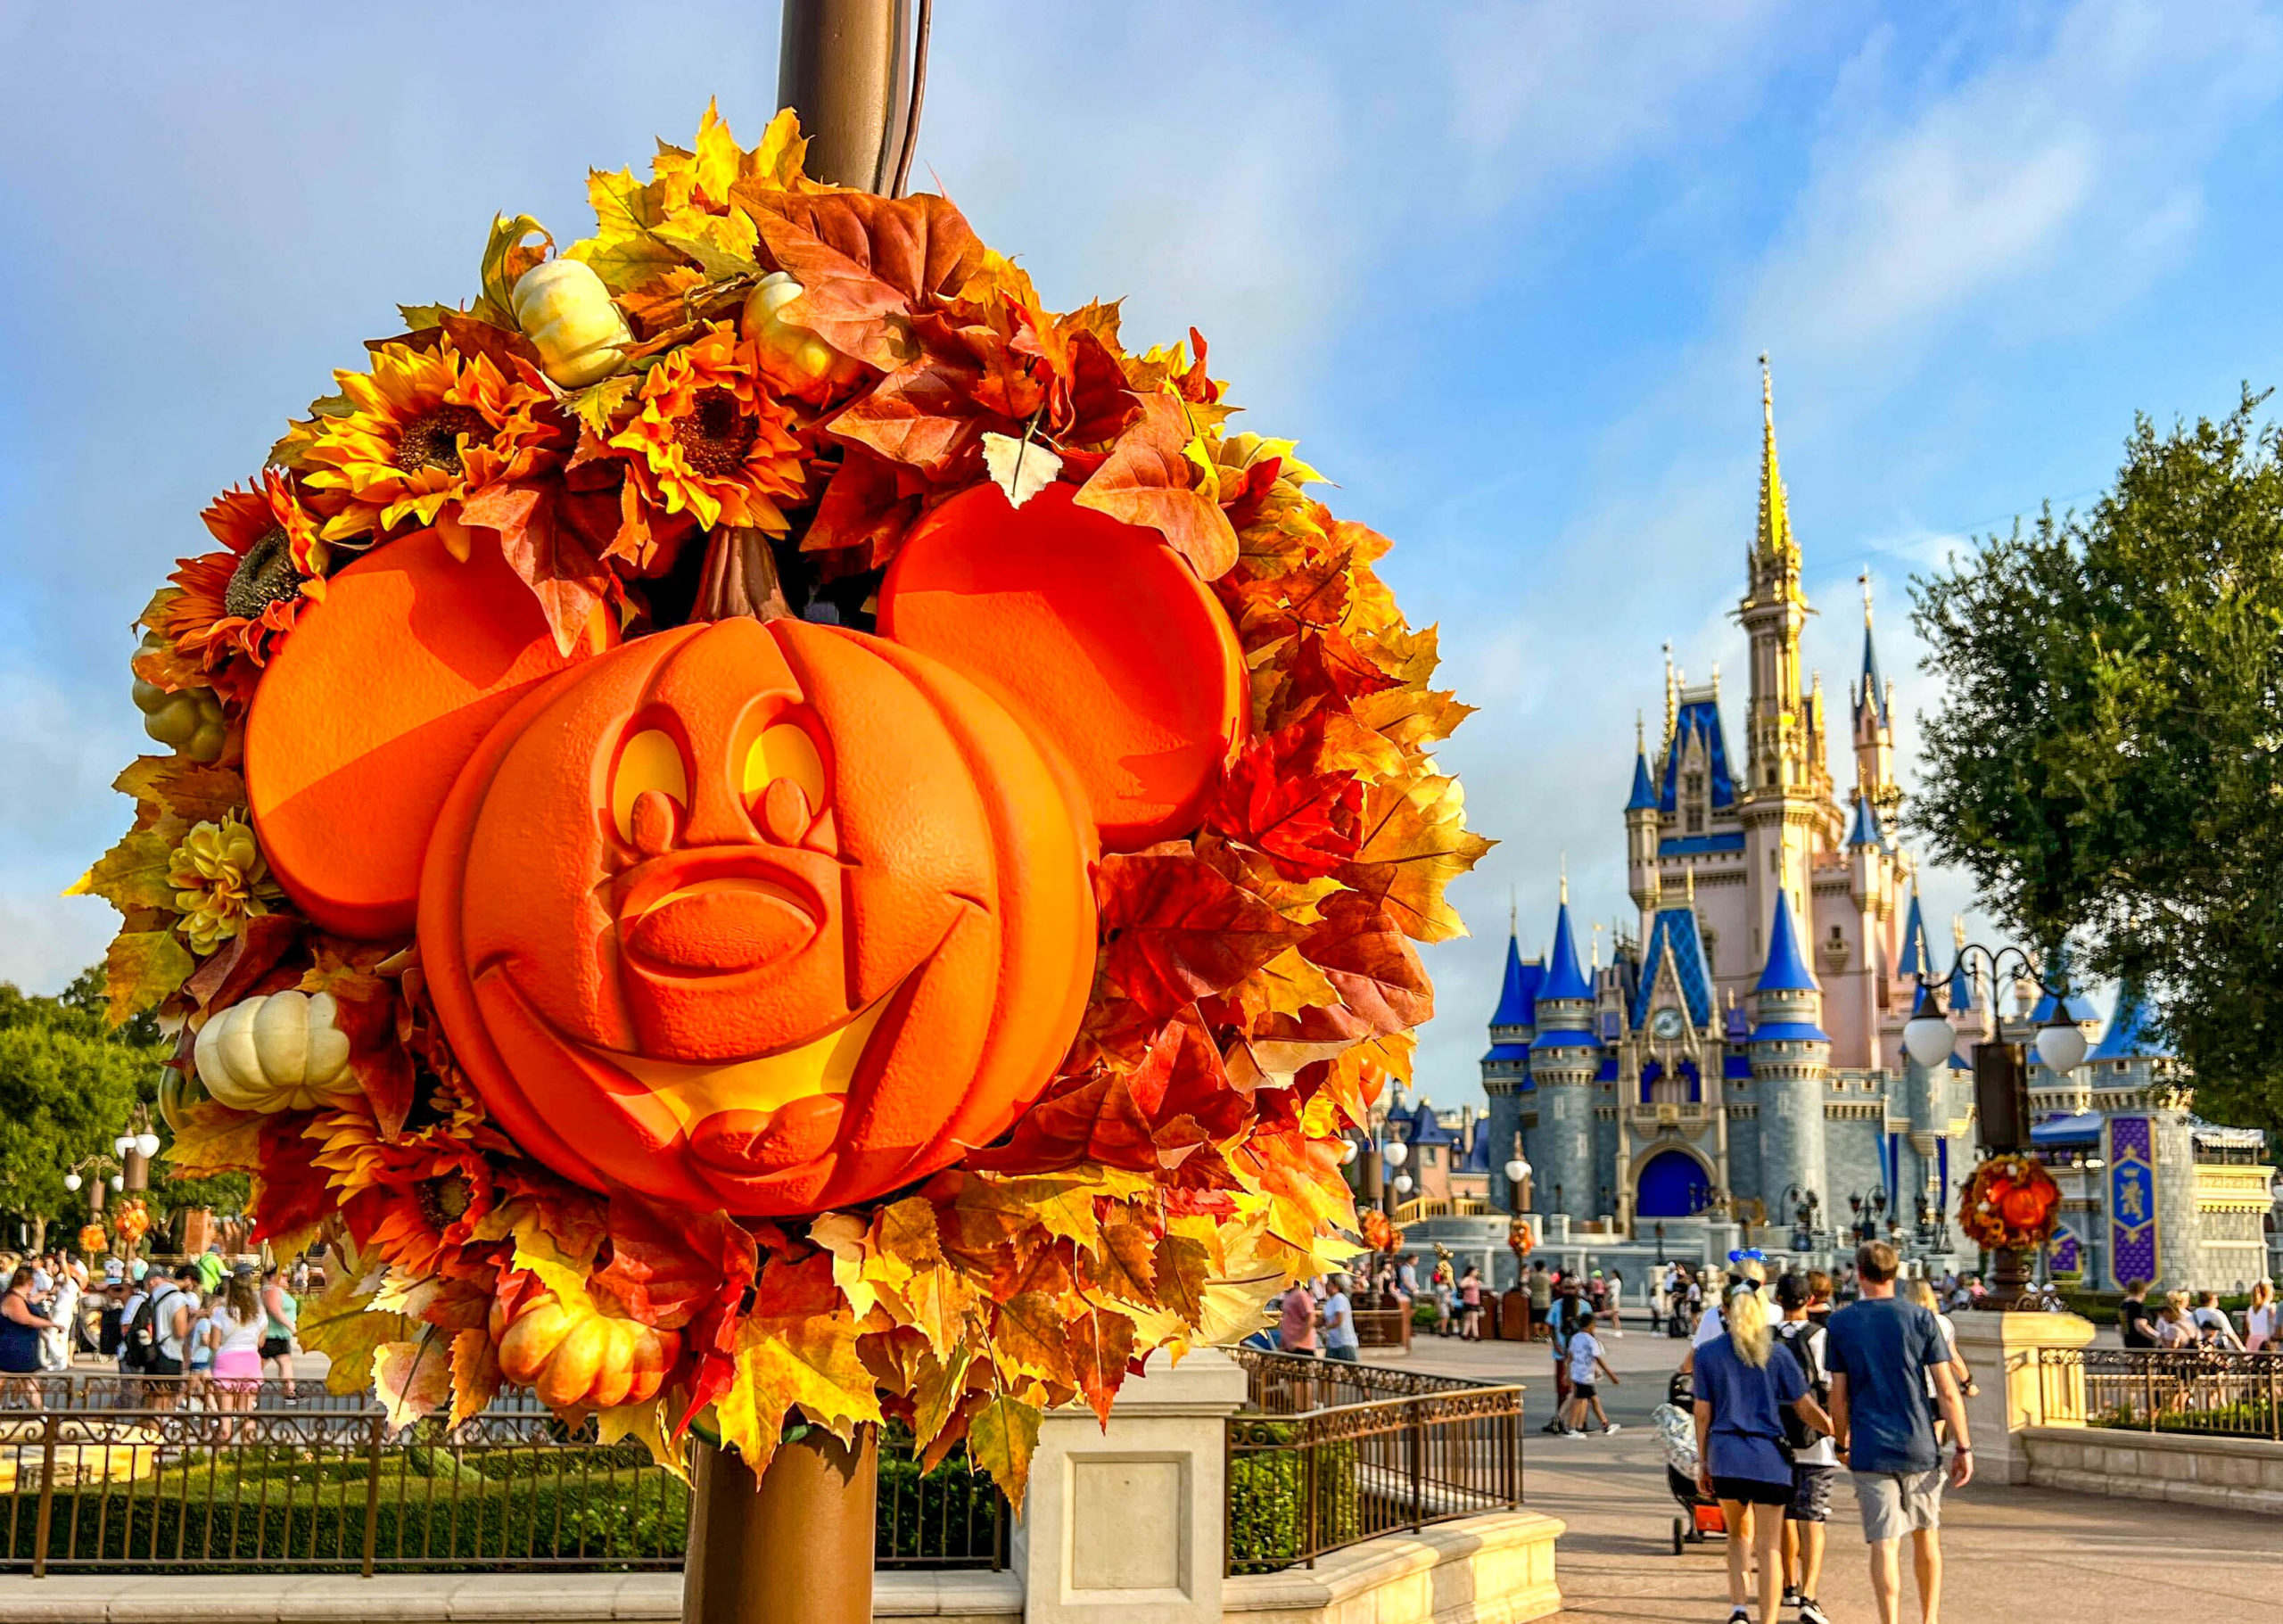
(1585, 1362)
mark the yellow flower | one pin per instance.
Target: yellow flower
(429, 428)
(219, 879)
(709, 440)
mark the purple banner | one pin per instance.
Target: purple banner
(2131, 1198)
(2063, 1255)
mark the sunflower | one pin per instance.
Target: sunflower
(708, 439)
(428, 427)
(419, 1200)
(237, 601)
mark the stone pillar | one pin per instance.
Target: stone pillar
(2001, 1350)
(1124, 1525)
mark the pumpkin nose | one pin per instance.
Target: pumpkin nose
(720, 926)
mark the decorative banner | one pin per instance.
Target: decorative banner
(2131, 1198)
(2064, 1254)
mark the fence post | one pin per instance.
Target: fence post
(2274, 1399)
(374, 1426)
(45, 1521)
(2149, 1388)
(1414, 1428)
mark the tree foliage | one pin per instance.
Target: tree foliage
(2107, 756)
(68, 1083)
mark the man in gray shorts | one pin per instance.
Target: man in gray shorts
(1879, 1352)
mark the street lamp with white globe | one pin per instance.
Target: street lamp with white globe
(2001, 1070)
(1518, 1185)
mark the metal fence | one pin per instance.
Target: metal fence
(1330, 1454)
(157, 1474)
(2221, 1393)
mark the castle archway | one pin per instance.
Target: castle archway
(1670, 1184)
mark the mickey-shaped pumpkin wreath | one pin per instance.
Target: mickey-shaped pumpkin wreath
(761, 829)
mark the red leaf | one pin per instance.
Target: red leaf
(1364, 953)
(570, 583)
(1101, 1345)
(1174, 930)
(667, 1267)
(243, 961)
(923, 415)
(861, 261)
(1150, 481)
(1183, 1077)
(1093, 1119)
(1307, 823)
(864, 505)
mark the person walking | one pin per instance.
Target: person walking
(1743, 1389)
(1561, 1324)
(62, 1310)
(1879, 1349)
(1660, 1296)
(234, 1326)
(1815, 1458)
(1586, 1364)
(1616, 1304)
(1471, 1304)
(1296, 1321)
(1340, 1341)
(1541, 1297)
(280, 1314)
(2134, 1319)
(2212, 1326)
(2260, 1320)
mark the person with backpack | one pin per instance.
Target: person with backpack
(159, 1336)
(1814, 1459)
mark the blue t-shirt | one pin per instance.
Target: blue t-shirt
(1747, 1435)
(1882, 1345)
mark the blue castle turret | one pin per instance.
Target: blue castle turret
(1565, 1063)
(1506, 1067)
(1791, 1059)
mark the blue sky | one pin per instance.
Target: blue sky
(1502, 269)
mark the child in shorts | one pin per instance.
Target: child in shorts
(1586, 1364)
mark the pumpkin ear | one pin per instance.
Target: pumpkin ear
(369, 709)
(1096, 634)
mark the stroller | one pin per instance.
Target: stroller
(1675, 1427)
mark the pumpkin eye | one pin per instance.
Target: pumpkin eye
(785, 750)
(651, 760)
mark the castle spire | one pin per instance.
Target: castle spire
(1873, 698)
(1774, 540)
(1672, 697)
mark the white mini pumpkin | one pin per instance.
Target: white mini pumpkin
(565, 310)
(282, 1052)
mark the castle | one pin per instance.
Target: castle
(1740, 1060)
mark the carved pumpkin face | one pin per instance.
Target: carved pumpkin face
(728, 916)
(757, 918)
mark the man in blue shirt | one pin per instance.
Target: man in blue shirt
(1881, 1351)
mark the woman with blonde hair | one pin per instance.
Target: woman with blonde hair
(235, 1323)
(2260, 1320)
(1743, 1458)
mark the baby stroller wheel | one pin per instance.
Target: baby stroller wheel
(1677, 1536)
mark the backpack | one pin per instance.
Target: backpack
(139, 1349)
(1797, 1433)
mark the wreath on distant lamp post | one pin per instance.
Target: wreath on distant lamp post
(2009, 1205)
(765, 606)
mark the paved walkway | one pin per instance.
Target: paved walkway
(2011, 1554)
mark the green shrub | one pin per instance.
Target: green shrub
(1267, 1494)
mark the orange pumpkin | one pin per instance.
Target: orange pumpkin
(759, 917)
(577, 1357)
(368, 710)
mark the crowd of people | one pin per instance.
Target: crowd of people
(217, 1328)
(2176, 1322)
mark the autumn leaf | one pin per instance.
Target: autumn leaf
(1181, 1267)
(142, 967)
(193, 791)
(1415, 842)
(797, 1348)
(132, 875)
(1000, 1440)
(569, 580)
(1151, 481)
(1022, 468)
(412, 1378)
(863, 260)
(211, 1138)
(646, 1424)
(475, 1373)
(1123, 1262)
(1363, 953)
(507, 254)
(923, 415)
(668, 1265)
(239, 964)
(1174, 930)
(341, 1325)
(1028, 1339)
(1275, 797)
(1101, 1345)
(1094, 1119)
(366, 1010)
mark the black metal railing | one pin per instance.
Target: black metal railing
(1330, 1454)
(152, 1474)
(2203, 1390)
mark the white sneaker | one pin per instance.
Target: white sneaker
(1614, 1427)
(1573, 1432)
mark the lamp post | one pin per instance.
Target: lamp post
(1518, 1186)
(2001, 1079)
(1393, 1153)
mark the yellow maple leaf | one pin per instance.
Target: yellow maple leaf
(1001, 1438)
(787, 1362)
(475, 1373)
(650, 1425)
(1415, 842)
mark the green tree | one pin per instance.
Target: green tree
(68, 1085)
(2107, 756)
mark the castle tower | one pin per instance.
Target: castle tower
(1787, 783)
(1872, 703)
(1506, 1065)
(1640, 867)
(1565, 1057)
(1791, 1058)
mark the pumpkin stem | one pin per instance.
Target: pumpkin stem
(740, 578)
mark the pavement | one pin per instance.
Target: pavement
(2008, 1552)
